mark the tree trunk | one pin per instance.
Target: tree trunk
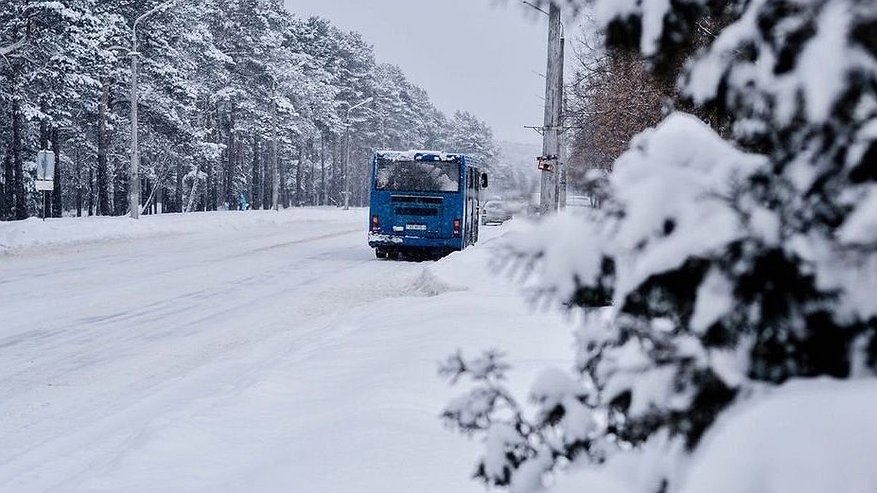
(147, 192)
(322, 168)
(211, 195)
(120, 191)
(267, 178)
(78, 183)
(284, 182)
(228, 192)
(6, 185)
(312, 179)
(299, 189)
(57, 204)
(178, 192)
(158, 202)
(193, 194)
(256, 198)
(6, 198)
(238, 171)
(337, 171)
(19, 206)
(103, 200)
(44, 128)
(90, 192)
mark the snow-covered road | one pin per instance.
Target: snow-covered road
(252, 352)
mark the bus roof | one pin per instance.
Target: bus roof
(423, 155)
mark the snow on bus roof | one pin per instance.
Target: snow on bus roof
(419, 155)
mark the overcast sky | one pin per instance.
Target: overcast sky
(482, 56)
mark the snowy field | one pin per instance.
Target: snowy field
(251, 351)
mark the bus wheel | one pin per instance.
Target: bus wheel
(393, 255)
(380, 253)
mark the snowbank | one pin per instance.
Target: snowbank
(808, 436)
(814, 436)
(277, 357)
(16, 236)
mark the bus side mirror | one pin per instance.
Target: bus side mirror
(483, 180)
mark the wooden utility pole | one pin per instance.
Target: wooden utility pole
(562, 142)
(553, 102)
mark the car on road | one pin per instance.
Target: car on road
(495, 212)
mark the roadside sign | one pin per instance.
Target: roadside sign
(45, 170)
(546, 163)
(46, 165)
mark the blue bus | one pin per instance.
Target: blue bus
(423, 203)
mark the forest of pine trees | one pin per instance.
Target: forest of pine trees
(211, 71)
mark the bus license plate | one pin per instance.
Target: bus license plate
(416, 227)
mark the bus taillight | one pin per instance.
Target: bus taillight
(376, 224)
(456, 227)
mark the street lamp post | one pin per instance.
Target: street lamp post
(134, 172)
(347, 151)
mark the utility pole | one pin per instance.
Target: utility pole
(563, 143)
(553, 103)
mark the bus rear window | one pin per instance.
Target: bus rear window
(417, 176)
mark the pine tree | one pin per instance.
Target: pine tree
(210, 73)
(730, 265)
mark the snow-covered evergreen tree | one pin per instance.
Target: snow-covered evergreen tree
(211, 72)
(472, 136)
(731, 266)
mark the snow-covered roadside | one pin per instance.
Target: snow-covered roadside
(807, 436)
(259, 359)
(358, 412)
(18, 236)
(244, 356)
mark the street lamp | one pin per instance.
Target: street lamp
(134, 172)
(347, 151)
(533, 5)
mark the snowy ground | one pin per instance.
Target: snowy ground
(242, 352)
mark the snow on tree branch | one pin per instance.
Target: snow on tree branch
(735, 262)
(5, 50)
